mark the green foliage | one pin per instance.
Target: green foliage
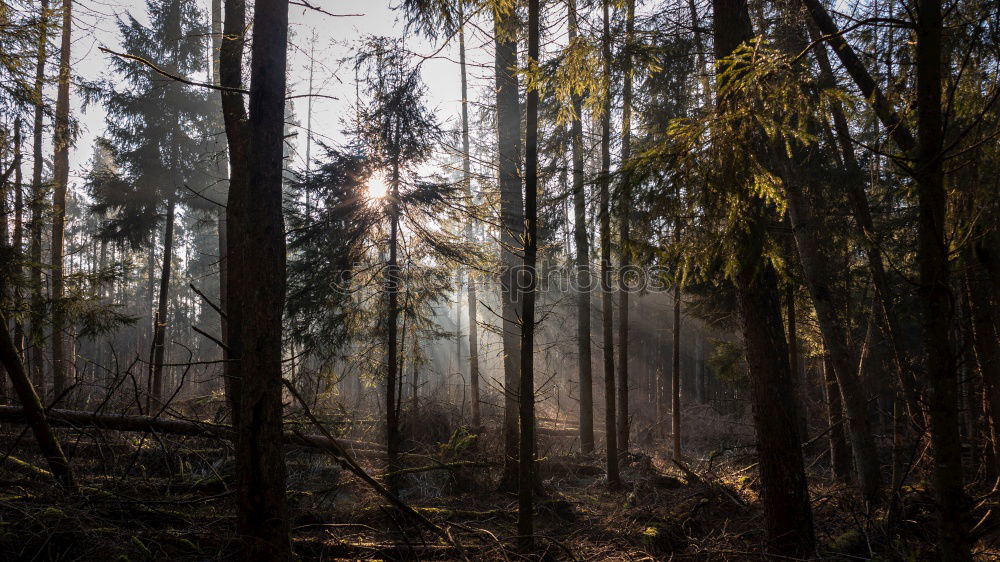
(395, 127)
(157, 129)
(325, 245)
(764, 96)
(728, 362)
(574, 76)
(20, 26)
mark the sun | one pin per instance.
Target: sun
(377, 188)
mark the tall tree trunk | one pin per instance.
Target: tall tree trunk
(526, 393)
(260, 463)
(222, 167)
(391, 326)
(607, 311)
(784, 495)
(34, 412)
(18, 240)
(160, 320)
(473, 301)
(934, 291)
(458, 322)
(699, 51)
(237, 136)
(793, 359)
(584, 280)
(675, 376)
(625, 206)
(840, 454)
(61, 140)
(415, 376)
(814, 260)
(511, 227)
(37, 209)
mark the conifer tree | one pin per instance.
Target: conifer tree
(157, 130)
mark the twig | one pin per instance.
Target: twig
(211, 337)
(207, 300)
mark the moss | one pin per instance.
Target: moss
(852, 543)
(52, 513)
(142, 548)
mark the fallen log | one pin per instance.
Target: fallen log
(173, 426)
(15, 464)
(396, 551)
(33, 414)
(557, 432)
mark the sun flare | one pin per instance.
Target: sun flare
(377, 187)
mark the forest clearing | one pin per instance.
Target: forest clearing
(499, 280)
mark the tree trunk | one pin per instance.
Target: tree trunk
(34, 412)
(675, 376)
(37, 209)
(415, 377)
(75, 419)
(473, 301)
(392, 343)
(784, 495)
(815, 255)
(793, 359)
(625, 205)
(511, 227)
(235, 118)
(934, 291)
(160, 320)
(814, 262)
(62, 140)
(458, 323)
(526, 393)
(840, 454)
(584, 280)
(607, 312)
(260, 463)
(222, 167)
(18, 241)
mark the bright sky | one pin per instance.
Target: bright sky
(94, 26)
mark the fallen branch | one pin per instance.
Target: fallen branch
(440, 466)
(172, 426)
(714, 486)
(15, 464)
(344, 459)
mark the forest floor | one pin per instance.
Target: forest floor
(170, 498)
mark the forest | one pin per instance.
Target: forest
(500, 280)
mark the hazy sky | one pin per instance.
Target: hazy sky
(95, 26)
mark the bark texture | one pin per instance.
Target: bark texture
(60, 164)
(262, 518)
(584, 279)
(607, 312)
(933, 289)
(511, 226)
